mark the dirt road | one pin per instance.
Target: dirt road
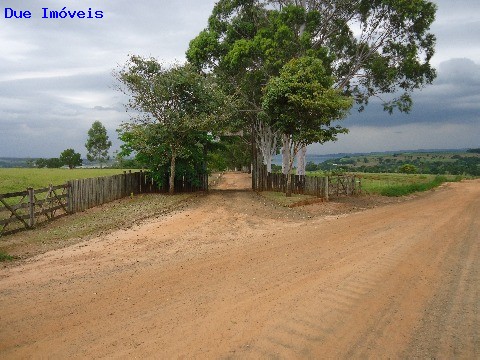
(233, 276)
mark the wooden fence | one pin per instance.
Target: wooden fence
(324, 187)
(84, 194)
(25, 209)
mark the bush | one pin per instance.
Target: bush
(408, 169)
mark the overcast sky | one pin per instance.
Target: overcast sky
(56, 76)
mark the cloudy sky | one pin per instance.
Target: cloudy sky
(56, 76)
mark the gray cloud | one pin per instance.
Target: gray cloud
(56, 76)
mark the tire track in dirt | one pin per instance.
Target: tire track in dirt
(454, 312)
(301, 335)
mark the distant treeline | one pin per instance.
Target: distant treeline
(56, 163)
(467, 163)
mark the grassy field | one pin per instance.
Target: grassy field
(12, 180)
(402, 184)
(394, 184)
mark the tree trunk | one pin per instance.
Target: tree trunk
(266, 140)
(171, 188)
(268, 160)
(285, 154)
(288, 193)
(301, 160)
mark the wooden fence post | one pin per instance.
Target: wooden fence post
(69, 198)
(326, 188)
(31, 207)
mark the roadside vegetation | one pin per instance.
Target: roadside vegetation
(402, 184)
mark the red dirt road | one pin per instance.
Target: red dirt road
(233, 276)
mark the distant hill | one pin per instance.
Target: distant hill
(423, 162)
(320, 158)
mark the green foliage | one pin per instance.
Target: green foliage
(40, 163)
(389, 184)
(70, 158)
(311, 166)
(246, 43)
(124, 162)
(97, 143)
(5, 257)
(474, 151)
(408, 169)
(427, 163)
(51, 163)
(402, 190)
(249, 41)
(231, 152)
(302, 103)
(176, 108)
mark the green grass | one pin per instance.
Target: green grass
(402, 184)
(5, 257)
(13, 180)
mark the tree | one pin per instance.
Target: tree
(97, 143)
(408, 169)
(230, 152)
(40, 163)
(302, 105)
(70, 158)
(53, 163)
(371, 47)
(174, 109)
(379, 46)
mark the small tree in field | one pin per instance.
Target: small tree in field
(98, 144)
(70, 158)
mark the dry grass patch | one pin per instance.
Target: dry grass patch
(93, 222)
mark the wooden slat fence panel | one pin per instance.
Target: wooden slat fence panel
(341, 185)
(32, 207)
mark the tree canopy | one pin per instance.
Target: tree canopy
(97, 143)
(372, 48)
(70, 158)
(173, 110)
(301, 104)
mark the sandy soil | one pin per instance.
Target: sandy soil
(234, 276)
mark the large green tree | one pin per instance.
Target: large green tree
(373, 48)
(302, 104)
(70, 158)
(97, 143)
(173, 109)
